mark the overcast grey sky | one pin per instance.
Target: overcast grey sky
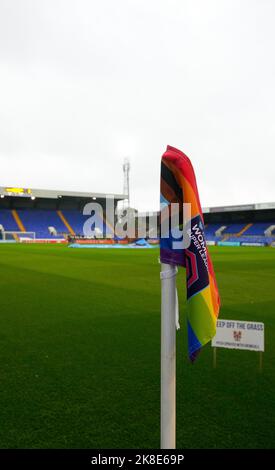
(84, 83)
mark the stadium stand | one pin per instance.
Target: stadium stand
(76, 220)
(210, 231)
(39, 221)
(71, 222)
(258, 228)
(67, 222)
(243, 224)
(255, 233)
(59, 214)
(7, 220)
(234, 228)
(52, 214)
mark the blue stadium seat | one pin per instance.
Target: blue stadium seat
(210, 231)
(7, 220)
(258, 228)
(254, 234)
(233, 228)
(38, 221)
(76, 220)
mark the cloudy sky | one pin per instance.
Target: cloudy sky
(85, 83)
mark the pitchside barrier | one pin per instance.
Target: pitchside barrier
(45, 240)
(228, 243)
(235, 334)
(254, 244)
(225, 243)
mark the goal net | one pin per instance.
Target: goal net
(19, 237)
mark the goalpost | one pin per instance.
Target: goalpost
(17, 236)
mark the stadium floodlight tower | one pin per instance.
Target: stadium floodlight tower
(126, 184)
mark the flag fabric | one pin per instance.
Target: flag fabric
(178, 185)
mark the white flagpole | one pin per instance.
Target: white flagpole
(168, 356)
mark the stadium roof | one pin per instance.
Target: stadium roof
(242, 207)
(219, 209)
(12, 191)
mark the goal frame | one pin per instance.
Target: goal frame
(17, 235)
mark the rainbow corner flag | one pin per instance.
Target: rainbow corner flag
(178, 185)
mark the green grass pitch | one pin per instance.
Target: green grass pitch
(80, 352)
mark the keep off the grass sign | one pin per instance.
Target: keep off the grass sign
(235, 334)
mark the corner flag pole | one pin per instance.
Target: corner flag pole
(168, 356)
